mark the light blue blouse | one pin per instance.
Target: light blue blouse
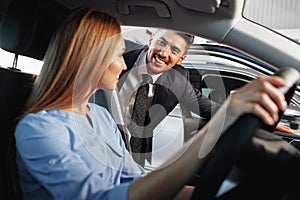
(61, 155)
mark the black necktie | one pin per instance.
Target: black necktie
(139, 120)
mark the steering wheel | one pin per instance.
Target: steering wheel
(228, 148)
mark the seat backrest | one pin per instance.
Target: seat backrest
(26, 29)
(15, 88)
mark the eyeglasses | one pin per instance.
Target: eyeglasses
(163, 44)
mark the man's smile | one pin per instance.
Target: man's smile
(158, 59)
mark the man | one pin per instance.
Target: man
(170, 85)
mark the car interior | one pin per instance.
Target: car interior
(26, 28)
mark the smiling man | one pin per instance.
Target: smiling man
(167, 49)
(169, 85)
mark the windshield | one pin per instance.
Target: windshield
(281, 16)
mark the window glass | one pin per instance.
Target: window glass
(169, 134)
(137, 34)
(197, 57)
(25, 64)
(279, 15)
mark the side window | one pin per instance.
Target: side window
(216, 70)
(25, 64)
(169, 134)
(218, 87)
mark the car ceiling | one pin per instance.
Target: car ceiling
(174, 14)
(218, 20)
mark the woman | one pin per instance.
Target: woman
(68, 148)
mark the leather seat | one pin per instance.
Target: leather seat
(26, 30)
(15, 88)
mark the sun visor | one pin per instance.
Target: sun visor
(27, 26)
(206, 6)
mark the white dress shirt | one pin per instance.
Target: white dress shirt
(131, 85)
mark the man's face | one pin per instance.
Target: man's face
(166, 49)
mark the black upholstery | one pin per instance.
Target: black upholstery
(26, 29)
(15, 87)
(195, 78)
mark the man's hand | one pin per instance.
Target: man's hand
(285, 129)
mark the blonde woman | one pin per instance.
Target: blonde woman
(68, 148)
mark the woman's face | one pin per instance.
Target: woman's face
(111, 75)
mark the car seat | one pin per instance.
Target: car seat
(15, 87)
(25, 30)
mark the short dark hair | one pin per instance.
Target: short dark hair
(187, 37)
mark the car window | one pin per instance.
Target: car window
(25, 64)
(280, 15)
(216, 70)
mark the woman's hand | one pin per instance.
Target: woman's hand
(260, 97)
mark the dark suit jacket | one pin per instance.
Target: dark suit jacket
(171, 88)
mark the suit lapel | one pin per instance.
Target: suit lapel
(130, 59)
(164, 100)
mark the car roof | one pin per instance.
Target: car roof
(218, 20)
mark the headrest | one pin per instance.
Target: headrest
(27, 26)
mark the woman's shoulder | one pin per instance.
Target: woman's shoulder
(42, 120)
(37, 117)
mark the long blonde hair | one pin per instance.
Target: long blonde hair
(76, 58)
